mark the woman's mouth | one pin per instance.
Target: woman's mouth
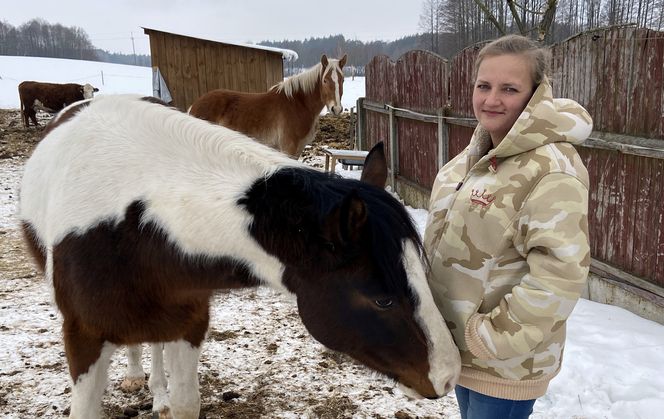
(492, 113)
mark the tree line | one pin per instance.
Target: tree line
(451, 25)
(359, 53)
(445, 27)
(38, 38)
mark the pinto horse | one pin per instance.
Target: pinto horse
(138, 212)
(285, 116)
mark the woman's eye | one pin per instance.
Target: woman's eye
(384, 303)
(482, 86)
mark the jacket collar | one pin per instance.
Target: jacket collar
(544, 120)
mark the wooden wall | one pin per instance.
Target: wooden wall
(616, 73)
(393, 83)
(192, 66)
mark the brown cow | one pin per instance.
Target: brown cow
(49, 97)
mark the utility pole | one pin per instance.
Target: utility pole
(133, 47)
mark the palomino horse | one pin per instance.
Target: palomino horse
(284, 117)
(138, 212)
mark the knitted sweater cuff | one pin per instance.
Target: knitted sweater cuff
(475, 343)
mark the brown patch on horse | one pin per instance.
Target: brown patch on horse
(63, 117)
(33, 246)
(157, 101)
(118, 284)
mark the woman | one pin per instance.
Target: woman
(507, 233)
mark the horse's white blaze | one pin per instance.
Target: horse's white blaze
(334, 105)
(180, 183)
(444, 359)
(182, 365)
(337, 96)
(88, 389)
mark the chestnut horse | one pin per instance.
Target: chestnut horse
(284, 117)
(138, 212)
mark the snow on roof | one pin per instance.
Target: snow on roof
(287, 54)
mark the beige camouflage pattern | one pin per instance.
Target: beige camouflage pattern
(510, 246)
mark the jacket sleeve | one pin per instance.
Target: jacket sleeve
(552, 235)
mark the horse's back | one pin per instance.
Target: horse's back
(121, 149)
(228, 106)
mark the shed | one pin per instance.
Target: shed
(190, 66)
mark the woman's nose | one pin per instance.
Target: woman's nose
(492, 98)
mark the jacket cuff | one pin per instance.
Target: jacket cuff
(473, 340)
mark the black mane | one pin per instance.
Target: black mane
(297, 201)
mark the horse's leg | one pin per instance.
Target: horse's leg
(158, 383)
(88, 358)
(32, 114)
(135, 377)
(182, 364)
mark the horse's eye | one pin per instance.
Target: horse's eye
(329, 246)
(384, 303)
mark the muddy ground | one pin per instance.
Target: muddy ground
(258, 360)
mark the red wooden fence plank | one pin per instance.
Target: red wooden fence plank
(616, 73)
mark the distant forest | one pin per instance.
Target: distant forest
(38, 38)
(445, 27)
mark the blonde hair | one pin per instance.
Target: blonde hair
(518, 45)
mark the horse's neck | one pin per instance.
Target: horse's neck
(311, 101)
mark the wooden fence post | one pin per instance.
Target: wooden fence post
(393, 148)
(443, 139)
(360, 130)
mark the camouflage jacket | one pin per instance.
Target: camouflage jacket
(507, 237)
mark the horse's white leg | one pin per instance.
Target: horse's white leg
(89, 388)
(182, 364)
(158, 383)
(135, 378)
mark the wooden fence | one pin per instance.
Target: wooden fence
(421, 106)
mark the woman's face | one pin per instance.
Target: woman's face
(502, 89)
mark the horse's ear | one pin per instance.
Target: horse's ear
(323, 61)
(342, 61)
(345, 222)
(375, 167)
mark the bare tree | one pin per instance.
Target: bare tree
(527, 16)
(431, 23)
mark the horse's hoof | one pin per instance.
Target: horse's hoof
(164, 413)
(131, 385)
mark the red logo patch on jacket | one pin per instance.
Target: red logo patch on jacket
(482, 198)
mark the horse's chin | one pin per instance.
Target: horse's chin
(335, 110)
(409, 392)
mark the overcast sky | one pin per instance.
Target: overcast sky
(110, 24)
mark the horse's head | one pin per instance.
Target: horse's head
(354, 260)
(332, 83)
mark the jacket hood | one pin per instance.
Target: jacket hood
(544, 120)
